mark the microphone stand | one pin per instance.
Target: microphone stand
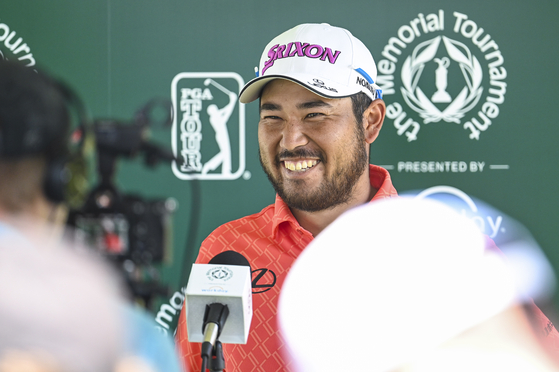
(214, 319)
(217, 364)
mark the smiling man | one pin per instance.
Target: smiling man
(320, 110)
(315, 152)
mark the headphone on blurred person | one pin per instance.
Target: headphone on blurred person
(43, 116)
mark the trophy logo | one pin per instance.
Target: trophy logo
(440, 75)
(463, 102)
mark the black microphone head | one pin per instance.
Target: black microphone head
(229, 258)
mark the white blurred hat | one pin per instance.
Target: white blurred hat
(386, 282)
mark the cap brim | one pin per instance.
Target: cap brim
(253, 89)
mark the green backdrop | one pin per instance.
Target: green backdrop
(118, 54)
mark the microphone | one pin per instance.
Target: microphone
(218, 301)
(229, 258)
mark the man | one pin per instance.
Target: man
(320, 110)
(61, 309)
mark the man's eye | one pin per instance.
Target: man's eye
(314, 114)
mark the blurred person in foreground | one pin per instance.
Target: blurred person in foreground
(61, 307)
(320, 111)
(426, 295)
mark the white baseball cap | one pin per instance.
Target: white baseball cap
(327, 60)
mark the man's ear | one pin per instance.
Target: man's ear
(373, 117)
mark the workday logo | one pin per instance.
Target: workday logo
(488, 220)
(208, 135)
(454, 76)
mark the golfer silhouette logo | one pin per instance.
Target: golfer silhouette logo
(218, 120)
(206, 123)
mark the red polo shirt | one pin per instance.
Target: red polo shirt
(271, 241)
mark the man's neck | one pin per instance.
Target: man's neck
(315, 222)
(42, 222)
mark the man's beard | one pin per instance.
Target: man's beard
(335, 190)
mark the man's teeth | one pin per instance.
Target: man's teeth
(299, 165)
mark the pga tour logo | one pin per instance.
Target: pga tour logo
(208, 135)
(454, 76)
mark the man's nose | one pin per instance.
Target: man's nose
(293, 135)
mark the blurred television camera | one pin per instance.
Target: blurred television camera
(130, 231)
